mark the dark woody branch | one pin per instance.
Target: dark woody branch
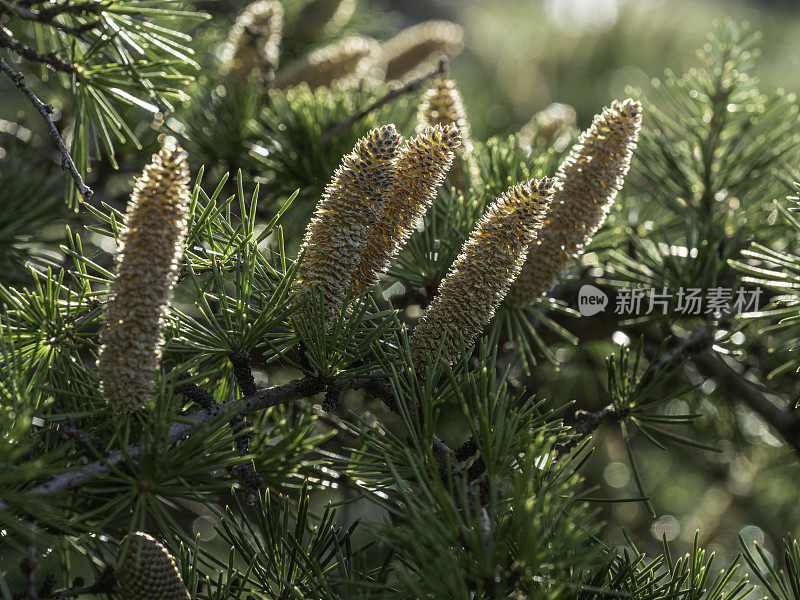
(784, 420)
(246, 472)
(52, 59)
(409, 88)
(696, 348)
(46, 110)
(261, 400)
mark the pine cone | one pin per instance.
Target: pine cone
(480, 277)
(419, 45)
(586, 186)
(151, 247)
(147, 571)
(337, 234)
(419, 170)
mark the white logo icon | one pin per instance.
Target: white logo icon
(591, 300)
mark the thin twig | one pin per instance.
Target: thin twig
(261, 400)
(46, 15)
(51, 59)
(412, 86)
(586, 425)
(46, 110)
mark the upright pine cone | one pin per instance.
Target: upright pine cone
(254, 41)
(481, 275)
(586, 185)
(147, 571)
(442, 105)
(337, 235)
(351, 59)
(151, 246)
(322, 17)
(419, 45)
(420, 168)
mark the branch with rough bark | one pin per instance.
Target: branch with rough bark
(247, 405)
(46, 111)
(51, 59)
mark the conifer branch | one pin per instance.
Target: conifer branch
(52, 59)
(246, 471)
(247, 405)
(46, 110)
(587, 423)
(46, 15)
(409, 88)
(785, 421)
(696, 348)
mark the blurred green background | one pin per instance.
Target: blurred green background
(521, 55)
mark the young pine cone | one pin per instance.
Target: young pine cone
(151, 246)
(442, 105)
(337, 234)
(420, 167)
(585, 187)
(320, 17)
(254, 41)
(419, 45)
(350, 60)
(147, 571)
(481, 275)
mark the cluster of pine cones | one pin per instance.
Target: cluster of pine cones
(525, 241)
(253, 47)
